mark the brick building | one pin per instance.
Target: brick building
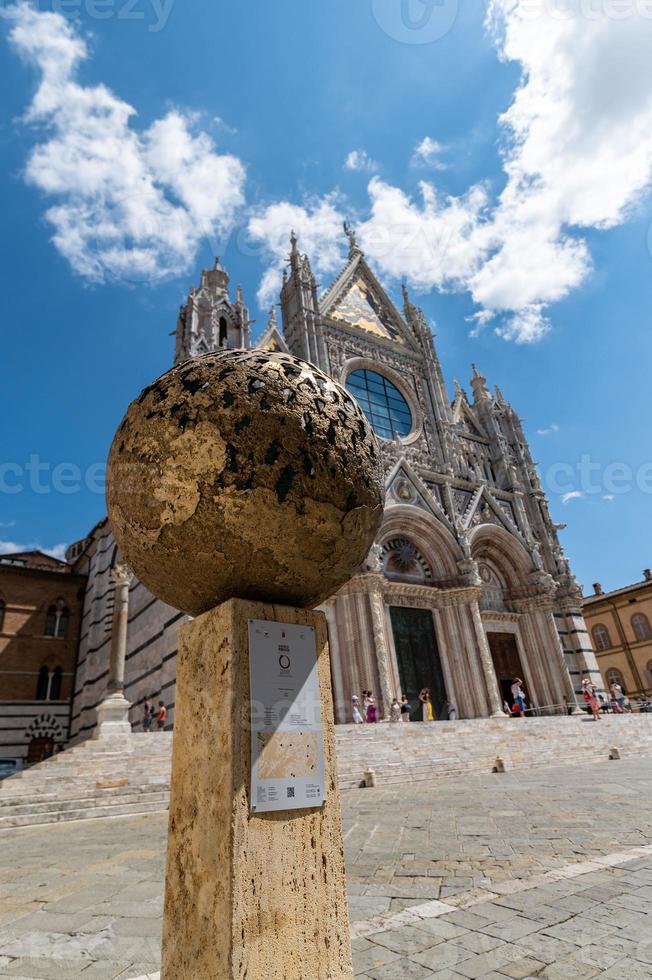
(619, 623)
(41, 600)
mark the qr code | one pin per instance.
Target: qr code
(290, 790)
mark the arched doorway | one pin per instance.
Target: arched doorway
(39, 749)
(414, 633)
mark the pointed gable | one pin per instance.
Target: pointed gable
(360, 307)
(358, 299)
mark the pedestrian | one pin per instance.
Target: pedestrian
(426, 704)
(371, 708)
(618, 696)
(395, 710)
(355, 710)
(148, 715)
(161, 716)
(406, 708)
(451, 708)
(591, 698)
(518, 694)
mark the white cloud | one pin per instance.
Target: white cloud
(7, 524)
(11, 547)
(572, 495)
(360, 160)
(553, 427)
(608, 496)
(128, 203)
(318, 225)
(427, 153)
(577, 154)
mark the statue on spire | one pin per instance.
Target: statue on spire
(349, 231)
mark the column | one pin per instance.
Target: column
(113, 712)
(566, 679)
(260, 896)
(377, 605)
(493, 693)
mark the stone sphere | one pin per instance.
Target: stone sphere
(246, 474)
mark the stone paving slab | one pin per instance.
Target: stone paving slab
(545, 873)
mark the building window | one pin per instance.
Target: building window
(2, 614)
(223, 332)
(43, 684)
(601, 638)
(56, 620)
(615, 677)
(48, 685)
(382, 403)
(55, 684)
(641, 627)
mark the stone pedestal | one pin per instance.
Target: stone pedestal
(113, 717)
(263, 896)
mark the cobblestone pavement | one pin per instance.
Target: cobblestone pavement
(544, 873)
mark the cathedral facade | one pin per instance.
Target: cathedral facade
(466, 586)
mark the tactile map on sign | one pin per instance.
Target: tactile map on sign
(287, 747)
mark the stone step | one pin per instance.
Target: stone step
(143, 805)
(64, 787)
(53, 805)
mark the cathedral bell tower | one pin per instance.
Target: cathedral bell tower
(210, 320)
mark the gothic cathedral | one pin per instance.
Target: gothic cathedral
(466, 587)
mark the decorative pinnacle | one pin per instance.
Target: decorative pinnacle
(293, 240)
(272, 322)
(349, 231)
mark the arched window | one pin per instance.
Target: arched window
(42, 684)
(55, 684)
(615, 677)
(601, 637)
(641, 627)
(223, 332)
(56, 620)
(382, 402)
(48, 685)
(2, 614)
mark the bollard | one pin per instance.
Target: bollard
(499, 765)
(614, 753)
(369, 778)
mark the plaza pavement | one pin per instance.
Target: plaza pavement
(546, 873)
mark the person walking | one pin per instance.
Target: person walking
(406, 708)
(618, 696)
(148, 716)
(426, 705)
(591, 698)
(518, 695)
(161, 716)
(451, 708)
(355, 710)
(372, 716)
(395, 710)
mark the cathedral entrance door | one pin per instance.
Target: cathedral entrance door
(507, 662)
(417, 653)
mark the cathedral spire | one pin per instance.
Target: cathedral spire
(210, 320)
(479, 385)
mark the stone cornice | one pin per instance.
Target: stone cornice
(399, 592)
(499, 616)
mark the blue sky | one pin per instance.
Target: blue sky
(501, 167)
